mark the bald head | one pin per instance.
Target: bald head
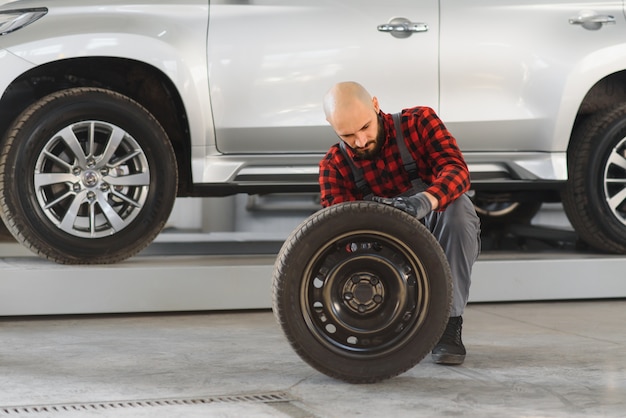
(353, 114)
(345, 98)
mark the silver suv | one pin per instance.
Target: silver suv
(111, 109)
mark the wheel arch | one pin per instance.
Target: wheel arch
(145, 84)
(605, 94)
(595, 83)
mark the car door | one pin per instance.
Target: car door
(514, 72)
(272, 61)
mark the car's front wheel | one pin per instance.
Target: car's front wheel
(594, 198)
(87, 176)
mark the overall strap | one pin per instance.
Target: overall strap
(409, 164)
(357, 172)
(407, 160)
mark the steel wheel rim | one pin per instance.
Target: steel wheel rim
(614, 179)
(91, 179)
(365, 294)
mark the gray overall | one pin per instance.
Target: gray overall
(457, 228)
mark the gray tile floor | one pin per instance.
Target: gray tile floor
(559, 359)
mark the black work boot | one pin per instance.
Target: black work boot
(450, 350)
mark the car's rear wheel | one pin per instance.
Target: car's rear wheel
(87, 176)
(362, 291)
(594, 198)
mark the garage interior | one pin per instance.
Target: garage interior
(186, 329)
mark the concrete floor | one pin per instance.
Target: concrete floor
(549, 359)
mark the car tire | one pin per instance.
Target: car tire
(87, 176)
(594, 198)
(362, 291)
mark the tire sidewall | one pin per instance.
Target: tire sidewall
(600, 151)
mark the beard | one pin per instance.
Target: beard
(372, 148)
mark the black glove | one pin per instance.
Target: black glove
(417, 205)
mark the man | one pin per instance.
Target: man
(437, 196)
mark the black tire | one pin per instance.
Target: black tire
(362, 291)
(5, 234)
(69, 198)
(594, 198)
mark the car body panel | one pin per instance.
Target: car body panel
(142, 30)
(271, 61)
(511, 83)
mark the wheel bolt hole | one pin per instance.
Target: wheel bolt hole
(348, 296)
(378, 299)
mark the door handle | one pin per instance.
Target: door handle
(401, 27)
(592, 21)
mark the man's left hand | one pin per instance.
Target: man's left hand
(417, 205)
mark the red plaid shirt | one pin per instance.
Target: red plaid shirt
(440, 163)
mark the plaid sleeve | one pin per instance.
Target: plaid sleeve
(439, 154)
(336, 179)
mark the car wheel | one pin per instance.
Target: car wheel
(362, 291)
(594, 198)
(87, 176)
(501, 210)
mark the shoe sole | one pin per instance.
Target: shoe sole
(448, 359)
